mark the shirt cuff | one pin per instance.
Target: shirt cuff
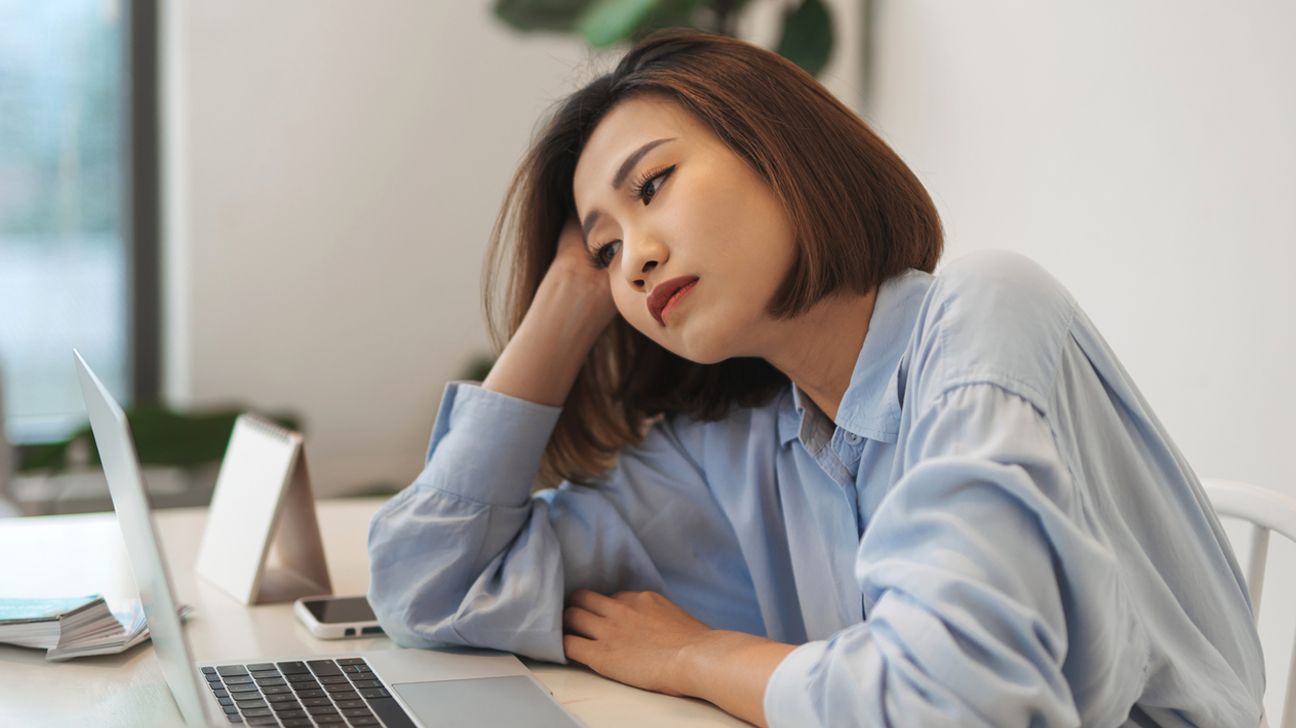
(487, 446)
(787, 694)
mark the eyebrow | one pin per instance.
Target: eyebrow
(619, 179)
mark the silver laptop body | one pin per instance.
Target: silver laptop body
(398, 687)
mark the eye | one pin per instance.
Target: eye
(644, 188)
(604, 255)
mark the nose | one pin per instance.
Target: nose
(639, 257)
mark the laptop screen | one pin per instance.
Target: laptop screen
(121, 467)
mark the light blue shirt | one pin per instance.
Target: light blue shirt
(996, 530)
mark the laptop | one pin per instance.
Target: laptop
(397, 688)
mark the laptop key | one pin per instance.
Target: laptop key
(343, 696)
(264, 720)
(256, 712)
(289, 668)
(374, 693)
(334, 719)
(335, 679)
(231, 670)
(235, 718)
(351, 661)
(364, 721)
(338, 687)
(261, 666)
(292, 715)
(344, 693)
(238, 679)
(351, 703)
(220, 692)
(297, 723)
(209, 670)
(236, 689)
(225, 701)
(392, 714)
(229, 709)
(367, 684)
(281, 698)
(270, 681)
(308, 702)
(321, 710)
(276, 689)
(311, 693)
(356, 712)
(323, 667)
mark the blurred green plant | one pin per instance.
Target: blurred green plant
(806, 38)
(162, 436)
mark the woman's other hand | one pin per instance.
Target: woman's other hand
(638, 638)
(645, 640)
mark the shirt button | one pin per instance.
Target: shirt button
(852, 438)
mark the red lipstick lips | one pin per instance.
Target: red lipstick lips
(662, 292)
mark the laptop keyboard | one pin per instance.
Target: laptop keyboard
(331, 693)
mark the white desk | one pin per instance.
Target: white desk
(84, 554)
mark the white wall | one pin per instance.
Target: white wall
(342, 166)
(334, 170)
(1146, 154)
(335, 167)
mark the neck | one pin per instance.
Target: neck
(818, 349)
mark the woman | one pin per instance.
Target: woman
(798, 475)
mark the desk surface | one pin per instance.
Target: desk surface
(84, 554)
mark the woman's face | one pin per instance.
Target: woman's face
(702, 213)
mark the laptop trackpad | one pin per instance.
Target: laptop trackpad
(474, 702)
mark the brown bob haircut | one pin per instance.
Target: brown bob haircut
(860, 215)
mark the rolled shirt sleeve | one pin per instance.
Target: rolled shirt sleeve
(468, 555)
(968, 570)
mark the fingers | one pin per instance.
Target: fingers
(579, 649)
(592, 602)
(582, 622)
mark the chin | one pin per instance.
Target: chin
(688, 342)
(701, 347)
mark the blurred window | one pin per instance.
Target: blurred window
(67, 267)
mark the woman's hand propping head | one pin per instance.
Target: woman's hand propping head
(590, 285)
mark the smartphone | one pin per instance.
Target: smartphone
(333, 618)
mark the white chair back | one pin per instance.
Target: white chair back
(1267, 511)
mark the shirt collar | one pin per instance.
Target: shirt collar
(871, 405)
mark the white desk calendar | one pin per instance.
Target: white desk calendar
(262, 542)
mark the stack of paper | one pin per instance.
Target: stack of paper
(72, 627)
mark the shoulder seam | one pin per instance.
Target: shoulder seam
(1038, 397)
